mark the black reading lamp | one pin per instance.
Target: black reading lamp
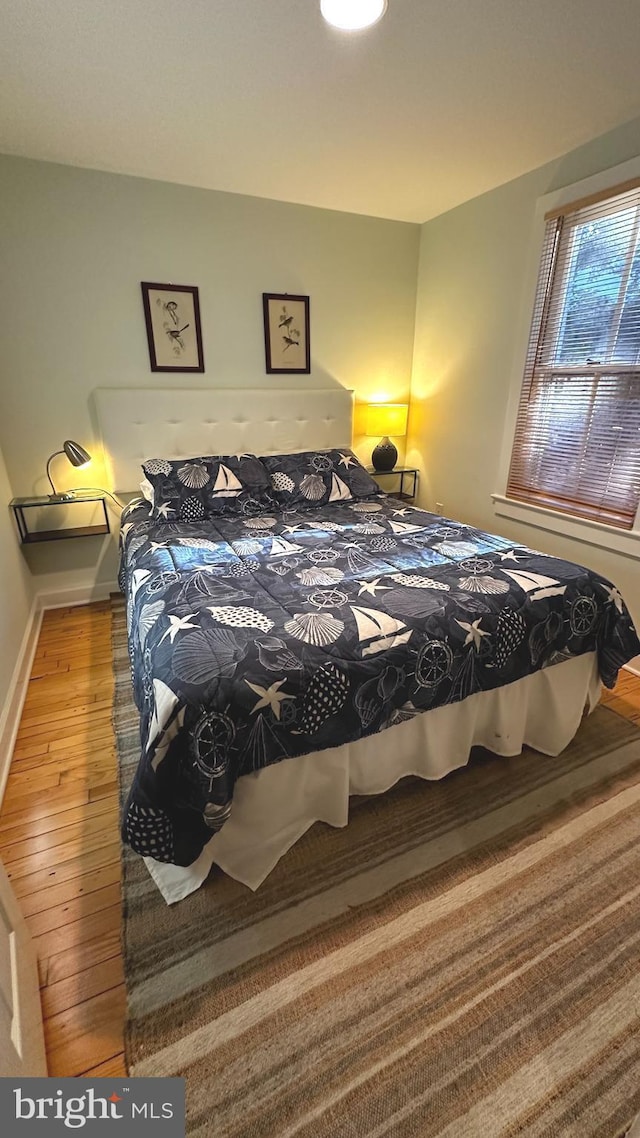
(77, 456)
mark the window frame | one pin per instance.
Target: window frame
(579, 529)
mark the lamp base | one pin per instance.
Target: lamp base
(384, 456)
(67, 496)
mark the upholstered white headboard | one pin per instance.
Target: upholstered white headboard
(139, 423)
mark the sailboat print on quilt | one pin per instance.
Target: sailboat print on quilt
(226, 484)
(340, 492)
(379, 631)
(281, 545)
(536, 585)
(404, 527)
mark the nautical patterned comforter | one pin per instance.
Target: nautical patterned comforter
(257, 639)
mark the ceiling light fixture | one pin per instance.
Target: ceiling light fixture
(352, 15)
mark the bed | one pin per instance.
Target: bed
(290, 652)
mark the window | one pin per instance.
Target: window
(577, 438)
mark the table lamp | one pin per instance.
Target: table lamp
(386, 419)
(77, 456)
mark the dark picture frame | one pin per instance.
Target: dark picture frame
(287, 342)
(174, 332)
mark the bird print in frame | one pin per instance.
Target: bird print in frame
(286, 333)
(174, 334)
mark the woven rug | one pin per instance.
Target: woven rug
(461, 960)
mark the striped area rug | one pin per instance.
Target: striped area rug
(461, 961)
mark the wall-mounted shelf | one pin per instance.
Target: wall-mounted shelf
(20, 506)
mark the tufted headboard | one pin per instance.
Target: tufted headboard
(139, 423)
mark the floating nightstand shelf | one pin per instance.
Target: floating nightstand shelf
(406, 492)
(46, 501)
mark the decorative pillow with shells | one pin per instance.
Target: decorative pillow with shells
(189, 489)
(314, 478)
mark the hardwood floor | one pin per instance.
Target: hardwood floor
(625, 697)
(59, 837)
(60, 845)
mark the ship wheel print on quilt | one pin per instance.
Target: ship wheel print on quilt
(323, 556)
(321, 463)
(583, 615)
(434, 663)
(213, 734)
(476, 565)
(327, 599)
(445, 531)
(161, 581)
(251, 508)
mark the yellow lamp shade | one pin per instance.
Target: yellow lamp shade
(387, 419)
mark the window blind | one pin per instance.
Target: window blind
(577, 437)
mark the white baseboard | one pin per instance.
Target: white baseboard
(10, 719)
(77, 595)
(633, 666)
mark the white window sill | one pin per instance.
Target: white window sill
(626, 542)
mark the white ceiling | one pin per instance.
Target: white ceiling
(442, 100)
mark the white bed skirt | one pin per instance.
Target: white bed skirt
(273, 807)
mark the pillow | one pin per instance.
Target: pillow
(188, 489)
(313, 478)
(146, 489)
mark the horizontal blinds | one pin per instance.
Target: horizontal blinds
(577, 439)
(591, 199)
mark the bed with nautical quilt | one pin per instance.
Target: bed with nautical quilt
(311, 612)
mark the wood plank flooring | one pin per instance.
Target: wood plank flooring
(59, 840)
(59, 837)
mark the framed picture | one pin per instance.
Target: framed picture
(286, 333)
(172, 316)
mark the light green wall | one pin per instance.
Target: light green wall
(74, 246)
(16, 590)
(473, 263)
